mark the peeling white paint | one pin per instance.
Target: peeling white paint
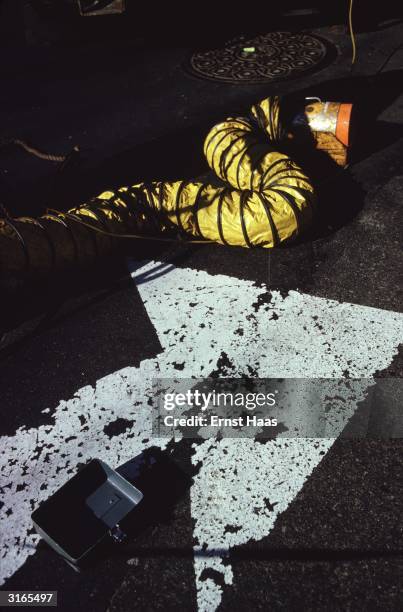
(197, 317)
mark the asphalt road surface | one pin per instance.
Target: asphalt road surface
(281, 524)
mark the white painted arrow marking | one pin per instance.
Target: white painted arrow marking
(297, 336)
(197, 317)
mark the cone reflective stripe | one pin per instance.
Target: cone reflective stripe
(264, 199)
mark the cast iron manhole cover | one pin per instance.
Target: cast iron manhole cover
(277, 55)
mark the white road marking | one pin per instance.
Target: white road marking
(198, 317)
(297, 336)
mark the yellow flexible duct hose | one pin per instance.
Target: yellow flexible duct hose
(263, 199)
(267, 199)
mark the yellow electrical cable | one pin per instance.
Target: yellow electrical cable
(350, 25)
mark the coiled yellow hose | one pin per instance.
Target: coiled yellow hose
(263, 198)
